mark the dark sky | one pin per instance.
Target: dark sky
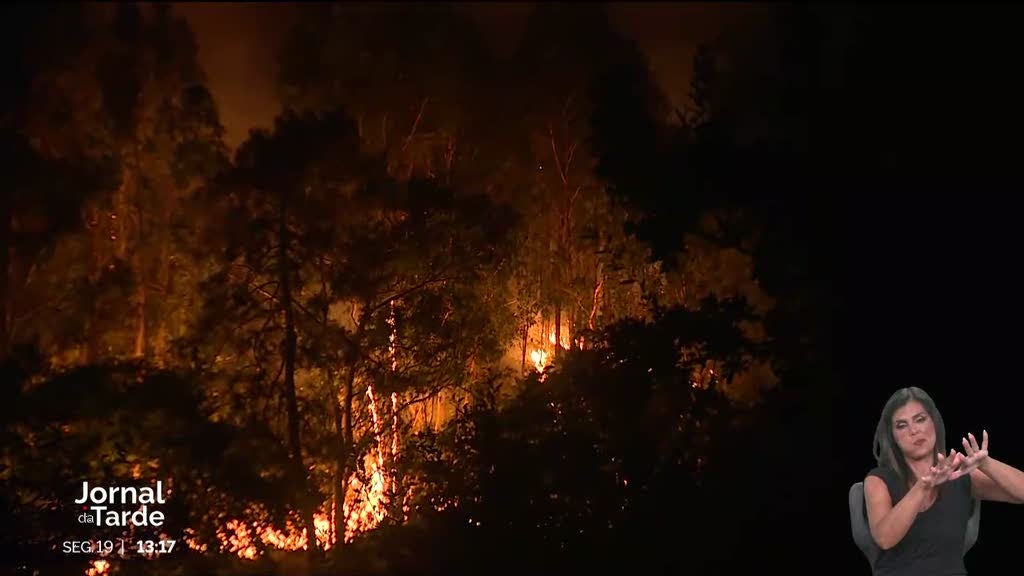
(238, 44)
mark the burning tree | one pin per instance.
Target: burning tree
(349, 279)
(343, 298)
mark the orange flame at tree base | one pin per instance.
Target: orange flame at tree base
(364, 507)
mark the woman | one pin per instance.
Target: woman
(919, 498)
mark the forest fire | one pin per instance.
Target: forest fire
(364, 502)
(531, 254)
(237, 537)
(364, 507)
(541, 355)
(539, 359)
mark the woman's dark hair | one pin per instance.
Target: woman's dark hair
(886, 450)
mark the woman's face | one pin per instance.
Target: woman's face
(914, 431)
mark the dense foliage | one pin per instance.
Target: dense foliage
(355, 295)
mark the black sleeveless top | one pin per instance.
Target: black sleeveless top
(934, 545)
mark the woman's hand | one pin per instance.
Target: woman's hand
(944, 470)
(976, 456)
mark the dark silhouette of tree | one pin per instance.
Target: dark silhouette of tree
(386, 289)
(589, 466)
(736, 172)
(118, 130)
(386, 246)
(125, 424)
(412, 77)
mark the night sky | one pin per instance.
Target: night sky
(237, 41)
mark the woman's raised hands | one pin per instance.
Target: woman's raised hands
(975, 455)
(944, 470)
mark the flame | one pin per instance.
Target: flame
(365, 502)
(367, 508)
(238, 540)
(565, 338)
(363, 509)
(539, 358)
(394, 425)
(364, 505)
(542, 355)
(237, 537)
(393, 339)
(376, 422)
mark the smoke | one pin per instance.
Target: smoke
(238, 47)
(239, 43)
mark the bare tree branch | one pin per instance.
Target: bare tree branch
(408, 291)
(554, 153)
(415, 123)
(572, 153)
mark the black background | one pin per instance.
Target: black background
(929, 119)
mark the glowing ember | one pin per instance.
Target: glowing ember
(393, 338)
(237, 539)
(394, 425)
(98, 567)
(191, 542)
(295, 539)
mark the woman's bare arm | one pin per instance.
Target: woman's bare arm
(888, 523)
(990, 478)
(998, 481)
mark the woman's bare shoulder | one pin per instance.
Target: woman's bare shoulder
(876, 483)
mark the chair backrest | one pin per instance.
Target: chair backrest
(859, 525)
(866, 542)
(973, 524)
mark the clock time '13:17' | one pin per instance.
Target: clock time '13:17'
(157, 547)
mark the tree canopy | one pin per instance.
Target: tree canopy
(450, 312)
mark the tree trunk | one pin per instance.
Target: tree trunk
(572, 326)
(161, 346)
(140, 281)
(349, 397)
(139, 262)
(339, 485)
(597, 299)
(100, 241)
(294, 442)
(6, 257)
(340, 407)
(526, 335)
(449, 157)
(140, 332)
(558, 328)
(345, 453)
